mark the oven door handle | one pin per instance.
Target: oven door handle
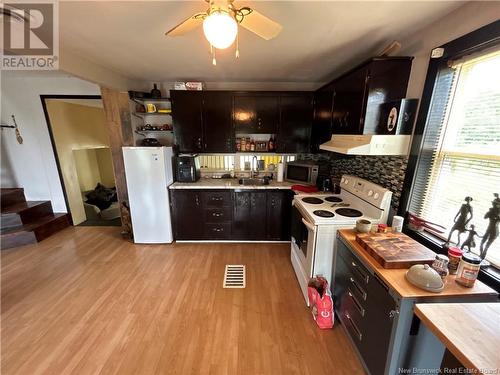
(309, 225)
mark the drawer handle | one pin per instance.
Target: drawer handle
(356, 303)
(360, 290)
(216, 214)
(218, 229)
(216, 199)
(362, 274)
(353, 325)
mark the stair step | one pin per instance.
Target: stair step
(27, 211)
(9, 196)
(35, 231)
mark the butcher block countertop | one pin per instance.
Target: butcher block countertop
(229, 183)
(470, 331)
(395, 278)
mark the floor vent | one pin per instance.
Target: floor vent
(234, 276)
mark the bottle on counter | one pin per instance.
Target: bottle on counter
(238, 144)
(468, 269)
(270, 146)
(243, 144)
(252, 145)
(247, 144)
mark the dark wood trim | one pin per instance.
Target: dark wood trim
(482, 38)
(43, 99)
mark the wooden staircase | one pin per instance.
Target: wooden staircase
(25, 222)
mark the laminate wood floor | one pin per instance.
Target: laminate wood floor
(84, 301)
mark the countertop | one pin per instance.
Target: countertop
(232, 183)
(470, 331)
(396, 277)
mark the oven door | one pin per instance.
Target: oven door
(303, 242)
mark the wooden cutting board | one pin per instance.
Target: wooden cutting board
(395, 250)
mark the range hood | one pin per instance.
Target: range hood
(368, 144)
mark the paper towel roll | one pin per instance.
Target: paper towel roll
(281, 170)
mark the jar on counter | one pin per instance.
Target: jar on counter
(454, 255)
(382, 228)
(468, 269)
(441, 265)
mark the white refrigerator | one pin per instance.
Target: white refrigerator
(148, 171)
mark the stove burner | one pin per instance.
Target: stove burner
(312, 200)
(323, 213)
(349, 212)
(333, 199)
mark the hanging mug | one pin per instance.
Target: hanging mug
(150, 108)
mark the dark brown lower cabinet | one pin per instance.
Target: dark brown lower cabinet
(279, 210)
(187, 214)
(231, 215)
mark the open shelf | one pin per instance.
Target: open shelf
(150, 100)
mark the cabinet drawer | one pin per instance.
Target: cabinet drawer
(354, 265)
(217, 199)
(218, 215)
(220, 231)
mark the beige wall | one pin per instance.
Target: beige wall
(105, 163)
(75, 127)
(463, 20)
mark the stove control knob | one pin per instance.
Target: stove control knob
(375, 196)
(346, 181)
(370, 193)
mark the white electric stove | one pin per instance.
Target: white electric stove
(317, 217)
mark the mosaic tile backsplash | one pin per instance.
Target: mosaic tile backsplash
(387, 171)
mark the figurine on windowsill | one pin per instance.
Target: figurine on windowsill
(493, 215)
(462, 218)
(469, 242)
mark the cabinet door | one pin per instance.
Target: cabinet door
(257, 220)
(295, 123)
(241, 215)
(279, 205)
(349, 103)
(218, 133)
(187, 120)
(321, 130)
(254, 114)
(187, 214)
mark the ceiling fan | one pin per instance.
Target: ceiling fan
(220, 25)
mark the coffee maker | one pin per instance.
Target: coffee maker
(187, 168)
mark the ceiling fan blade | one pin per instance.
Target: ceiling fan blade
(187, 25)
(261, 25)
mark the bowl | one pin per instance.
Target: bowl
(363, 225)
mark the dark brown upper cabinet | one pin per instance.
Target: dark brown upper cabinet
(358, 94)
(296, 114)
(256, 113)
(187, 120)
(202, 121)
(218, 135)
(321, 130)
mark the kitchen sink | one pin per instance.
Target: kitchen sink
(254, 181)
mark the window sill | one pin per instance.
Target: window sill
(488, 275)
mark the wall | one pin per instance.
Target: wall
(7, 177)
(94, 165)
(33, 162)
(463, 20)
(76, 127)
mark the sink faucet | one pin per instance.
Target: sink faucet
(252, 172)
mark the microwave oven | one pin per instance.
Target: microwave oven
(301, 172)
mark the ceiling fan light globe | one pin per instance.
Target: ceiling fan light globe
(220, 29)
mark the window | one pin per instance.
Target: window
(460, 153)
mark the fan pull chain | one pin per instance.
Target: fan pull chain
(238, 45)
(212, 52)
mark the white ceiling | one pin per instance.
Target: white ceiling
(318, 39)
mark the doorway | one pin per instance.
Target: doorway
(80, 141)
